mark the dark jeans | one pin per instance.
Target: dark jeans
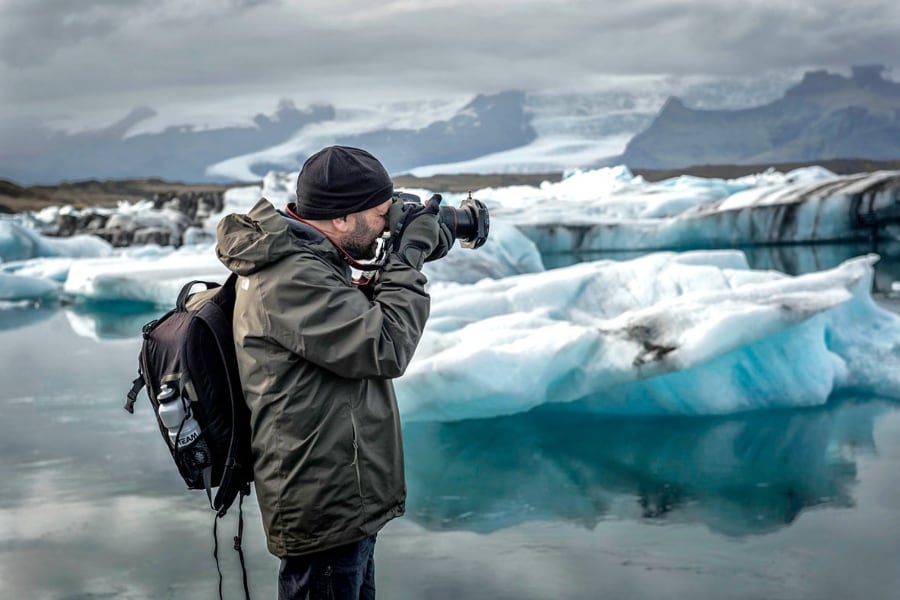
(342, 573)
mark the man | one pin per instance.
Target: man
(316, 355)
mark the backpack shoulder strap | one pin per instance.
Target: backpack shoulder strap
(216, 315)
(185, 293)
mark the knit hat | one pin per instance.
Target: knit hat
(339, 180)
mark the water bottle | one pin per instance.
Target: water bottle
(172, 414)
(192, 453)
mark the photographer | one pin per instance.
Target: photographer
(316, 356)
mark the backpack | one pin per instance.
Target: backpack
(187, 362)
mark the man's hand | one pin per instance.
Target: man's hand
(446, 237)
(415, 231)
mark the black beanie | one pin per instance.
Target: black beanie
(339, 180)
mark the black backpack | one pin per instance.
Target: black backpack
(189, 352)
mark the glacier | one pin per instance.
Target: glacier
(574, 129)
(663, 333)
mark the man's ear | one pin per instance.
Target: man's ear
(342, 224)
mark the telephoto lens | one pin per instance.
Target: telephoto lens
(470, 223)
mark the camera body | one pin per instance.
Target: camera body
(470, 223)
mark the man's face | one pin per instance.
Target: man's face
(368, 225)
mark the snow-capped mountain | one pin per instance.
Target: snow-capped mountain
(511, 131)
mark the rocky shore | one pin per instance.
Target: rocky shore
(173, 220)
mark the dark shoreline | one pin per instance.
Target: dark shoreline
(15, 198)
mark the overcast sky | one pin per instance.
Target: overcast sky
(79, 57)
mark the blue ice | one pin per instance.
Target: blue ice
(694, 333)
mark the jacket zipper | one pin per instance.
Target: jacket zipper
(356, 454)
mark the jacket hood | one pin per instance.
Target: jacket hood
(247, 243)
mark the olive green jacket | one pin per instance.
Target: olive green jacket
(316, 358)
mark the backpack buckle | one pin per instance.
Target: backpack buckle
(148, 327)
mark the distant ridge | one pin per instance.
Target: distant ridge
(489, 123)
(825, 116)
(42, 155)
(484, 125)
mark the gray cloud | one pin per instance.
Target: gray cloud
(118, 54)
(33, 31)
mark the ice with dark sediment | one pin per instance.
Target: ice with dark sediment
(690, 333)
(610, 209)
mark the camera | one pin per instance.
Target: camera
(470, 223)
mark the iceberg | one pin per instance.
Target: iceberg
(150, 280)
(21, 243)
(696, 333)
(152, 275)
(23, 288)
(52, 269)
(507, 252)
(610, 209)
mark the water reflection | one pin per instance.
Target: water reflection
(127, 322)
(93, 508)
(91, 505)
(741, 475)
(16, 317)
(800, 259)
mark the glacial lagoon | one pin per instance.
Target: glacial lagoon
(553, 503)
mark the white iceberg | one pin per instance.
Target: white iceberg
(154, 280)
(22, 243)
(692, 333)
(22, 288)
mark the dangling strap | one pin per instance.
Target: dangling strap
(216, 553)
(238, 539)
(237, 544)
(136, 387)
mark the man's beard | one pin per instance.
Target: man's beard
(361, 243)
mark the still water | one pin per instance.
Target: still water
(551, 504)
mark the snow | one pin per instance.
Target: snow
(545, 154)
